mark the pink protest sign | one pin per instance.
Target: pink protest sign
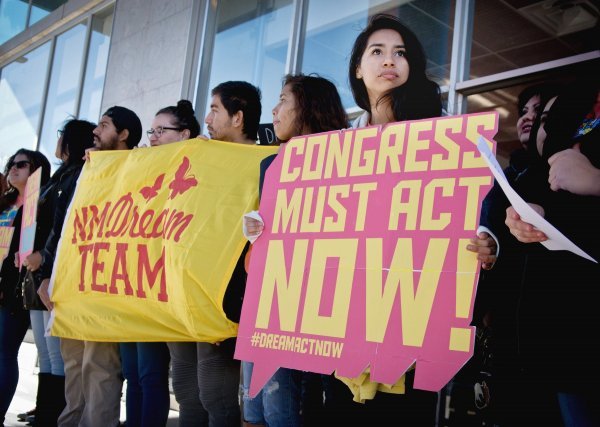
(29, 223)
(363, 260)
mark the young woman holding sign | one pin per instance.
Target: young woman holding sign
(307, 105)
(14, 320)
(388, 81)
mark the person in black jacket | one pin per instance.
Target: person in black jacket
(74, 138)
(14, 320)
(558, 305)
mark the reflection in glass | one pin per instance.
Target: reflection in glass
(21, 91)
(95, 70)
(13, 17)
(251, 44)
(41, 8)
(64, 85)
(331, 31)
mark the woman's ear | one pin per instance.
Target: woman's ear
(186, 134)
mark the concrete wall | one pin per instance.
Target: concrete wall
(146, 63)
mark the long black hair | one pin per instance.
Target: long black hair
(77, 137)
(318, 104)
(419, 97)
(567, 114)
(36, 160)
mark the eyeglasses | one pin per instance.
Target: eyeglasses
(159, 131)
(60, 132)
(20, 164)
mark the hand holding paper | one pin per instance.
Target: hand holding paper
(556, 240)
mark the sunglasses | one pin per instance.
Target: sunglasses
(19, 165)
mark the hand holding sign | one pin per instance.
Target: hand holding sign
(362, 260)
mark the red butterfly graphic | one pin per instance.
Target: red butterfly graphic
(182, 183)
(150, 192)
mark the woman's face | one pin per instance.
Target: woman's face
(383, 65)
(166, 131)
(59, 155)
(526, 118)
(541, 134)
(284, 115)
(19, 171)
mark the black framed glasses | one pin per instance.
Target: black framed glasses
(159, 131)
(19, 165)
(60, 132)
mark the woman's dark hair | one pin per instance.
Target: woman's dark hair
(544, 90)
(565, 117)
(184, 116)
(318, 104)
(419, 97)
(36, 160)
(77, 137)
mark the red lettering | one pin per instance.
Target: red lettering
(144, 269)
(98, 267)
(119, 225)
(134, 221)
(119, 271)
(79, 225)
(179, 222)
(159, 223)
(83, 251)
(144, 223)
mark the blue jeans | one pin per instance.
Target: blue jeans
(12, 331)
(278, 404)
(146, 369)
(48, 348)
(579, 410)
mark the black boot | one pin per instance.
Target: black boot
(41, 399)
(48, 410)
(58, 397)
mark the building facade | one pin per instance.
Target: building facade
(75, 58)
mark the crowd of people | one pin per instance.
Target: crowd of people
(539, 304)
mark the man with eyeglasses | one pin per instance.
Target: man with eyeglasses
(93, 380)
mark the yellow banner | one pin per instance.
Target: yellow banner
(151, 240)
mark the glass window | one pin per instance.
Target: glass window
(22, 91)
(13, 18)
(41, 8)
(63, 89)
(95, 71)
(331, 31)
(251, 44)
(509, 34)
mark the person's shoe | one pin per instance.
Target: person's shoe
(24, 415)
(30, 420)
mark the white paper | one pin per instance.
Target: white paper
(556, 240)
